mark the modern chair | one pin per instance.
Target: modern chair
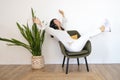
(84, 53)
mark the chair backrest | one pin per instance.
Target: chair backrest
(74, 32)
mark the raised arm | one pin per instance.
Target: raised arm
(64, 20)
(37, 21)
(62, 13)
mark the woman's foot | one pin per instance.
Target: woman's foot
(106, 26)
(102, 28)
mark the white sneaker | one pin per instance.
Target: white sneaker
(107, 26)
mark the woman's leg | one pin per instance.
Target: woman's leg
(77, 45)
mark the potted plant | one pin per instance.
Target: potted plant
(35, 38)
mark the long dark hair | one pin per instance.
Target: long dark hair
(53, 25)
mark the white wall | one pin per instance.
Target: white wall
(83, 15)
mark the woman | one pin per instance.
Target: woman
(57, 29)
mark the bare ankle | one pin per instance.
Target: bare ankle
(102, 28)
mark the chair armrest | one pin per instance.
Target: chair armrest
(63, 50)
(88, 46)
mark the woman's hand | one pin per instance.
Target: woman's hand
(37, 21)
(61, 12)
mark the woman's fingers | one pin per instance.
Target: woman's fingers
(61, 12)
(37, 21)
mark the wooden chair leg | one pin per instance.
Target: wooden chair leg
(86, 64)
(63, 61)
(67, 66)
(78, 61)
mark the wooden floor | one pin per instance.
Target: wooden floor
(56, 72)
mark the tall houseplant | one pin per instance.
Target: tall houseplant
(34, 37)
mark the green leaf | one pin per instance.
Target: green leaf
(32, 13)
